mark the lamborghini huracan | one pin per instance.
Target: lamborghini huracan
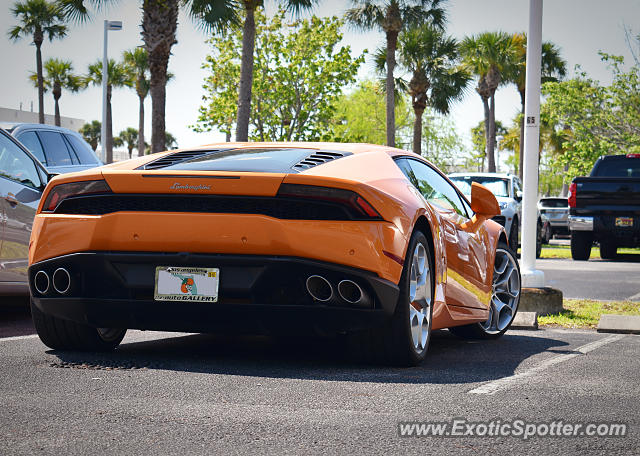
(368, 242)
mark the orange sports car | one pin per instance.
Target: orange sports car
(357, 239)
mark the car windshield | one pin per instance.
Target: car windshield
(498, 185)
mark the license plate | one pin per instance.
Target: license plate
(186, 284)
(624, 221)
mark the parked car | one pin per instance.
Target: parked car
(556, 211)
(507, 188)
(508, 191)
(360, 239)
(22, 180)
(60, 150)
(605, 207)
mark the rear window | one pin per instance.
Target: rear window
(83, 150)
(556, 202)
(617, 167)
(267, 160)
(55, 149)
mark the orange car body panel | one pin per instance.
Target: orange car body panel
(462, 248)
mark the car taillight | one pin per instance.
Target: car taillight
(355, 203)
(62, 191)
(572, 195)
(633, 155)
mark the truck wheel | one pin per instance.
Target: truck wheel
(608, 250)
(581, 242)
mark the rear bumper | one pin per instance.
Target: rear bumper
(257, 294)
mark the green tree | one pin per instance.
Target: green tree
(553, 68)
(128, 137)
(59, 75)
(595, 120)
(479, 141)
(91, 133)
(489, 55)
(391, 17)
(118, 76)
(441, 144)
(359, 116)
(137, 61)
(300, 72)
(437, 80)
(39, 19)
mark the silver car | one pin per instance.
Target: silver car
(22, 180)
(556, 209)
(59, 149)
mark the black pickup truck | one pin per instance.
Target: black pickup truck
(605, 207)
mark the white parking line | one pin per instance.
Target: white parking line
(8, 339)
(635, 297)
(495, 386)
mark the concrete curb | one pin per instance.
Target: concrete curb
(623, 324)
(525, 320)
(544, 301)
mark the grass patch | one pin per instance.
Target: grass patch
(585, 313)
(564, 251)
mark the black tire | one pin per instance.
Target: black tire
(392, 343)
(478, 330)
(62, 334)
(581, 242)
(539, 239)
(513, 235)
(608, 250)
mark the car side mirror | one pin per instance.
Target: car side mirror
(518, 196)
(483, 201)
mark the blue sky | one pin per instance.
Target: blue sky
(579, 27)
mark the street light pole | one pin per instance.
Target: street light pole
(530, 276)
(108, 25)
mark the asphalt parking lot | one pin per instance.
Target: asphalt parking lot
(163, 393)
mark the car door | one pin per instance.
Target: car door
(59, 157)
(21, 185)
(465, 264)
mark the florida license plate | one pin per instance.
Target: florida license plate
(186, 284)
(624, 221)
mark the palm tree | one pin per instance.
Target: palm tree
(38, 18)
(91, 133)
(437, 79)
(159, 24)
(246, 62)
(393, 16)
(118, 76)
(138, 62)
(130, 138)
(58, 76)
(488, 55)
(552, 69)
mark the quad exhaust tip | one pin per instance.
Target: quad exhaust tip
(41, 282)
(61, 280)
(319, 288)
(350, 291)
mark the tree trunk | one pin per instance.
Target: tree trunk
(108, 143)
(57, 107)
(417, 131)
(487, 117)
(491, 144)
(392, 41)
(565, 186)
(37, 40)
(57, 93)
(159, 23)
(246, 74)
(228, 136)
(521, 152)
(140, 127)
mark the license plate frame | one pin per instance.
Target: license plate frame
(188, 284)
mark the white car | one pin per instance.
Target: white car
(508, 191)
